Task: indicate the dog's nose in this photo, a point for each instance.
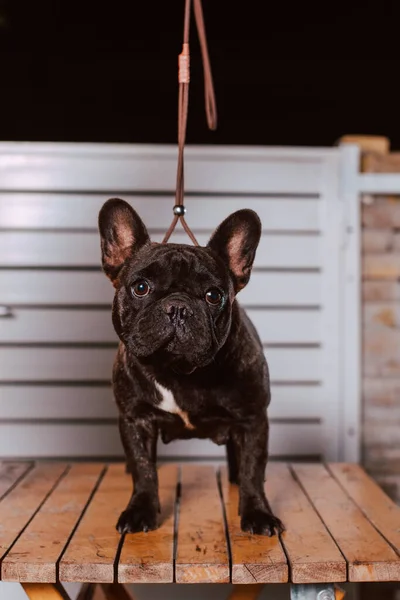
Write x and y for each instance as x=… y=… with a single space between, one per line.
x=177 y=310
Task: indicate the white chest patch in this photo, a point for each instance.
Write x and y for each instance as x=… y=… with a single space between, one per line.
x=169 y=405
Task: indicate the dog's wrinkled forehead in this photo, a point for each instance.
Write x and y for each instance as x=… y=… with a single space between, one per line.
x=177 y=264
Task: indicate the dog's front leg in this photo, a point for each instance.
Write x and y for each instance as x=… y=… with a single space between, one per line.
x=255 y=511
x=139 y=438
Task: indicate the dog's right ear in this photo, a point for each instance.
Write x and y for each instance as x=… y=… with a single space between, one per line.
x=122 y=233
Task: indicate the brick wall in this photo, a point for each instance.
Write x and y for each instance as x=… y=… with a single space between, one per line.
x=381 y=343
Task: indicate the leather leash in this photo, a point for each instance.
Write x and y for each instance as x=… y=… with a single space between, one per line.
x=183 y=107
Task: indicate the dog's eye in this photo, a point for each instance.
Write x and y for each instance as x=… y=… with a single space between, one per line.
x=141 y=288
x=214 y=297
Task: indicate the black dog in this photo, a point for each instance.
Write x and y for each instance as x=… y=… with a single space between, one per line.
x=190 y=363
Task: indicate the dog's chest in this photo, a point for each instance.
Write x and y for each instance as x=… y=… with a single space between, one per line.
x=168 y=404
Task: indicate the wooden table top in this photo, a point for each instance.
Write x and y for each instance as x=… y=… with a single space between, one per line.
x=57 y=522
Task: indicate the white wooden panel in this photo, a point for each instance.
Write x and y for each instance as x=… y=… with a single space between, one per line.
x=80 y=211
x=85 y=440
x=25 y=402
x=94 y=326
x=86 y=364
x=29 y=287
x=374 y=183
x=350 y=401
x=45 y=249
x=35 y=402
x=331 y=240
x=209 y=169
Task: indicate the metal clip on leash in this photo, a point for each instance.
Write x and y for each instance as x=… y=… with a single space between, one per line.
x=183 y=106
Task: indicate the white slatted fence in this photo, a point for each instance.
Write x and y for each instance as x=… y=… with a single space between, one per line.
x=57 y=343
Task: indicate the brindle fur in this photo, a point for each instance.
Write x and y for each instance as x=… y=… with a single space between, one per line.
x=209 y=357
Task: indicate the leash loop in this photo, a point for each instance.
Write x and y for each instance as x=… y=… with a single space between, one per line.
x=179 y=209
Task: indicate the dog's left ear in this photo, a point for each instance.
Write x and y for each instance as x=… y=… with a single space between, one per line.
x=236 y=241
x=122 y=234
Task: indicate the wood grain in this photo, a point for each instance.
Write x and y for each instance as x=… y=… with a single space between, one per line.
x=381 y=266
x=381 y=291
x=381 y=352
x=312 y=554
x=383 y=513
x=377 y=240
x=202 y=553
x=368 y=144
x=10 y=473
x=368 y=555
x=381 y=399
x=382 y=163
x=45 y=591
x=149 y=557
x=382 y=213
x=255 y=558
x=91 y=553
x=382 y=314
x=19 y=506
x=34 y=556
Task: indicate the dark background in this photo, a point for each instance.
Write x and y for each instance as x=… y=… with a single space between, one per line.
x=286 y=73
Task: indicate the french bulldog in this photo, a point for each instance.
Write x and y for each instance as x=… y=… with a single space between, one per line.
x=190 y=362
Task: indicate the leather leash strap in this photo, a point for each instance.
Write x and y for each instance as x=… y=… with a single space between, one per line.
x=183 y=106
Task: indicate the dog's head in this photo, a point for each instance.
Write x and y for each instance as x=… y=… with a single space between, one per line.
x=173 y=302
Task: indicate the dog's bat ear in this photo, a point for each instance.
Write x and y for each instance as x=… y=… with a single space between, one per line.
x=122 y=233
x=236 y=241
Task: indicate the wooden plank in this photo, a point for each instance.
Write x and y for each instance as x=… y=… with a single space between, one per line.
x=396 y=242
x=58 y=403
x=379 y=183
x=34 y=556
x=209 y=169
x=51 y=402
x=91 y=553
x=45 y=591
x=312 y=554
x=149 y=557
x=382 y=163
x=383 y=436
x=10 y=474
x=76 y=249
x=383 y=513
x=382 y=213
x=45 y=364
x=255 y=558
x=20 y=505
x=368 y=555
x=381 y=291
x=381 y=400
x=368 y=143
x=44 y=326
x=378 y=240
x=94 y=440
x=29 y=288
x=80 y=211
x=78 y=326
x=381 y=352
x=382 y=314
x=381 y=266
x=202 y=552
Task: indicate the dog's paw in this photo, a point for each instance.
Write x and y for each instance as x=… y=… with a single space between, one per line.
x=139 y=516
x=261 y=522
